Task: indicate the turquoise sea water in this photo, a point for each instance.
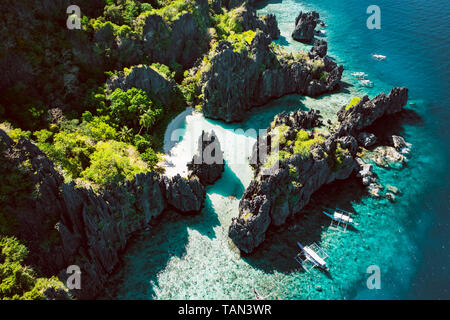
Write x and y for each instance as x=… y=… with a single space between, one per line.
x=183 y=257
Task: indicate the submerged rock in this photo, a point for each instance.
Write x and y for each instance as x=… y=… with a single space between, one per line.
x=208 y=164
x=388 y=157
x=393 y=189
x=367 y=139
x=305 y=23
x=374 y=190
x=390 y=196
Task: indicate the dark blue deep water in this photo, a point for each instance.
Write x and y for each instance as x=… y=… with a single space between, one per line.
x=190 y=257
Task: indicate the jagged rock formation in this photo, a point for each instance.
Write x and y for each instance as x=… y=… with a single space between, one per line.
x=299 y=119
x=367 y=139
x=146 y=78
x=185 y=195
x=367 y=111
x=208 y=164
x=230 y=4
x=316 y=158
x=183 y=41
x=249 y=20
x=305 y=23
x=320 y=48
x=64 y=225
x=239 y=81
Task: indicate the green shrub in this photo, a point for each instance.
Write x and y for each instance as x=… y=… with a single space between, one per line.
x=340 y=153
x=163 y=70
x=12 y=250
x=134 y=109
x=316 y=64
x=279 y=136
x=227 y=23
x=241 y=41
x=113 y=162
x=353 y=103
x=16 y=280
x=172 y=10
x=275 y=157
x=293 y=172
x=17 y=133
x=99 y=128
x=150 y=157
x=124 y=12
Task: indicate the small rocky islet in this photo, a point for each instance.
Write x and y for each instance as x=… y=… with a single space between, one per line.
x=93 y=227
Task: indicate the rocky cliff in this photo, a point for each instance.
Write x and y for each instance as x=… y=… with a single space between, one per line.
x=240 y=80
x=248 y=18
x=305 y=24
x=303 y=158
x=65 y=225
x=208 y=163
x=146 y=78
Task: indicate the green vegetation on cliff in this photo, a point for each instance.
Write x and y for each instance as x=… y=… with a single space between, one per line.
x=110 y=147
x=353 y=103
x=18 y=281
x=304 y=142
x=227 y=23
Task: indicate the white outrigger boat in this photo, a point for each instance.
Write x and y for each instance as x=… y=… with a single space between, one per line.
x=340 y=218
x=312 y=256
x=366 y=83
x=378 y=57
x=359 y=75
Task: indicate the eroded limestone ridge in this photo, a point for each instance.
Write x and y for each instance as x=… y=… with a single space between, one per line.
x=65 y=225
x=240 y=80
x=307 y=158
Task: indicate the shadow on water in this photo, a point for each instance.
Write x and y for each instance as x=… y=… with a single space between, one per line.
x=282 y=41
x=344 y=87
x=395 y=124
x=262 y=3
x=261 y=116
x=151 y=251
x=280 y=247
